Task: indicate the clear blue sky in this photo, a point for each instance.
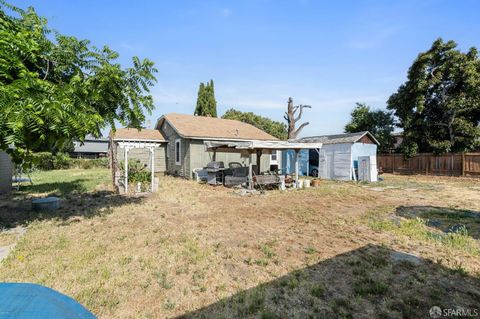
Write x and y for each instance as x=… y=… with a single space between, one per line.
x=329 y=54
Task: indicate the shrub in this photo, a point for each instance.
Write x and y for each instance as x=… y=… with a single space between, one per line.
x=47 y=161
x=43 y=161
x=137 y=173
x=61 y=161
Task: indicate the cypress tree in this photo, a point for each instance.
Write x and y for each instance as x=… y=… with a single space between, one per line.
x=206 y=103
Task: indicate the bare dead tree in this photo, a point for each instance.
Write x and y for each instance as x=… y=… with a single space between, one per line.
x=292 y=118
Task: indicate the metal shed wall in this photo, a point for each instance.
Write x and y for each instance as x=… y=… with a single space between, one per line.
x=334 y=161
x=6 y=167
x=362 y=149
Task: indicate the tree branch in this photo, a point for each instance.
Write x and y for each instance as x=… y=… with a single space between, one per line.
x=301 y=111
x=300 y=128
x=48 y=70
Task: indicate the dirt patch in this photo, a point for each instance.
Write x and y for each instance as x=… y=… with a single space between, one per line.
x=199 y=251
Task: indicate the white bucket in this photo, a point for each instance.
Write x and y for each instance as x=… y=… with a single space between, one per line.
x=282 y=182
x=306 y=183
x=300 y=183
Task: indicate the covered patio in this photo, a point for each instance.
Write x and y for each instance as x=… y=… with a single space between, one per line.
x=260 y=148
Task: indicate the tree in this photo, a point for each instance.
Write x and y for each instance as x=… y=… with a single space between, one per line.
x=206 y=103
x=274 y=128
x=438 y=106
x=378 y=122
x=56 y=88
x=292 y=119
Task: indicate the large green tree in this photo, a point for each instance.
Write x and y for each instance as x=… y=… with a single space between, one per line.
x=56 y=88
x=206 y=103
x=378 y=122
x=274 y=128
x=438 y=106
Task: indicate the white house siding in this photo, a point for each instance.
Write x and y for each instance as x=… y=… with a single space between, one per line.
x=6 y=168
x=334 y=162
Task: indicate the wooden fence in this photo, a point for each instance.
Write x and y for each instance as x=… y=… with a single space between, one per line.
x=453 y=164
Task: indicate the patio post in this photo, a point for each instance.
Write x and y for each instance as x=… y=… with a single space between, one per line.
x=126 y=169
x=259 y=155
x=152 y=168
x=297 y=153
x=250 y=176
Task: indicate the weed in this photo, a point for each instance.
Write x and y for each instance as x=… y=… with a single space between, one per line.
x=369 y=286
x=309 y=250
x=169 y=305
x=267 y=251
x=256 y=301
x=269 y=314
x=162 y=280
x=261 y=262
x=317 y=290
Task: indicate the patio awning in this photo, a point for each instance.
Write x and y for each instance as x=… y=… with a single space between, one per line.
x=259 y=145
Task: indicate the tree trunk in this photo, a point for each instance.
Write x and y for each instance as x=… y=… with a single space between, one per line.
x=292 y=120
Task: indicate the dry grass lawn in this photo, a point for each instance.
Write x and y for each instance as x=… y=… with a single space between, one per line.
x=195 y=251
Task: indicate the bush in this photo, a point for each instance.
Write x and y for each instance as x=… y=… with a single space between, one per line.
x=47 y=161
x=61 y=161
x=43 y=161
x=137 y=173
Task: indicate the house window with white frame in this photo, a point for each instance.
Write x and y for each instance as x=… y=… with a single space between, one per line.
x=178 y=151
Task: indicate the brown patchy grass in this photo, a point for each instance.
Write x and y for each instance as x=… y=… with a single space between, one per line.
x=198 y=251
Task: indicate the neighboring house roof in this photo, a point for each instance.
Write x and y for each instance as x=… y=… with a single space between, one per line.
x=133 y=134
x=337 y=138
x=202 y=127
x=91 y=145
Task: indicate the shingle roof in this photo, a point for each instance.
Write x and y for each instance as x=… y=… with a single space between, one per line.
x=200 y=127
x=336 y=138
x=138 y=135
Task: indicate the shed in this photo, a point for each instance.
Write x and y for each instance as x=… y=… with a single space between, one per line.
x=339 y=156
x=6 y=168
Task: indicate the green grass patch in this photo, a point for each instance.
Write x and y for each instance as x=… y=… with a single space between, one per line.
x=66 y=182
x=418 y=228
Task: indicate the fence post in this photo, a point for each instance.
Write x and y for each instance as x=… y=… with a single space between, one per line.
x=425 y=157
x=393 y=166
x=463 y=163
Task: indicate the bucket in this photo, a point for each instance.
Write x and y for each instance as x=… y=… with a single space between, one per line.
x=282 y=182
x=315 y=183
x=300 y=183
x=306 y=183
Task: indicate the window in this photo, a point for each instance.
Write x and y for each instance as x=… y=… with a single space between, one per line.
x=274 y=157
x=178 y=152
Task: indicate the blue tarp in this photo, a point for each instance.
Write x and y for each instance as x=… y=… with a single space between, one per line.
x=288 y=162
x=22 y=301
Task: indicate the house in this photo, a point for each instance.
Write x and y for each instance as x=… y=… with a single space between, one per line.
x=6 y=168
x=339 y=157
x=186 y=135
x=177 y=143
x=91 y=147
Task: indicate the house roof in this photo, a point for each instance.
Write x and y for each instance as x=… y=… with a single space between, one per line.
x=133 y=134
x=337 y=138
x=91 y=146
x=202 y=127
